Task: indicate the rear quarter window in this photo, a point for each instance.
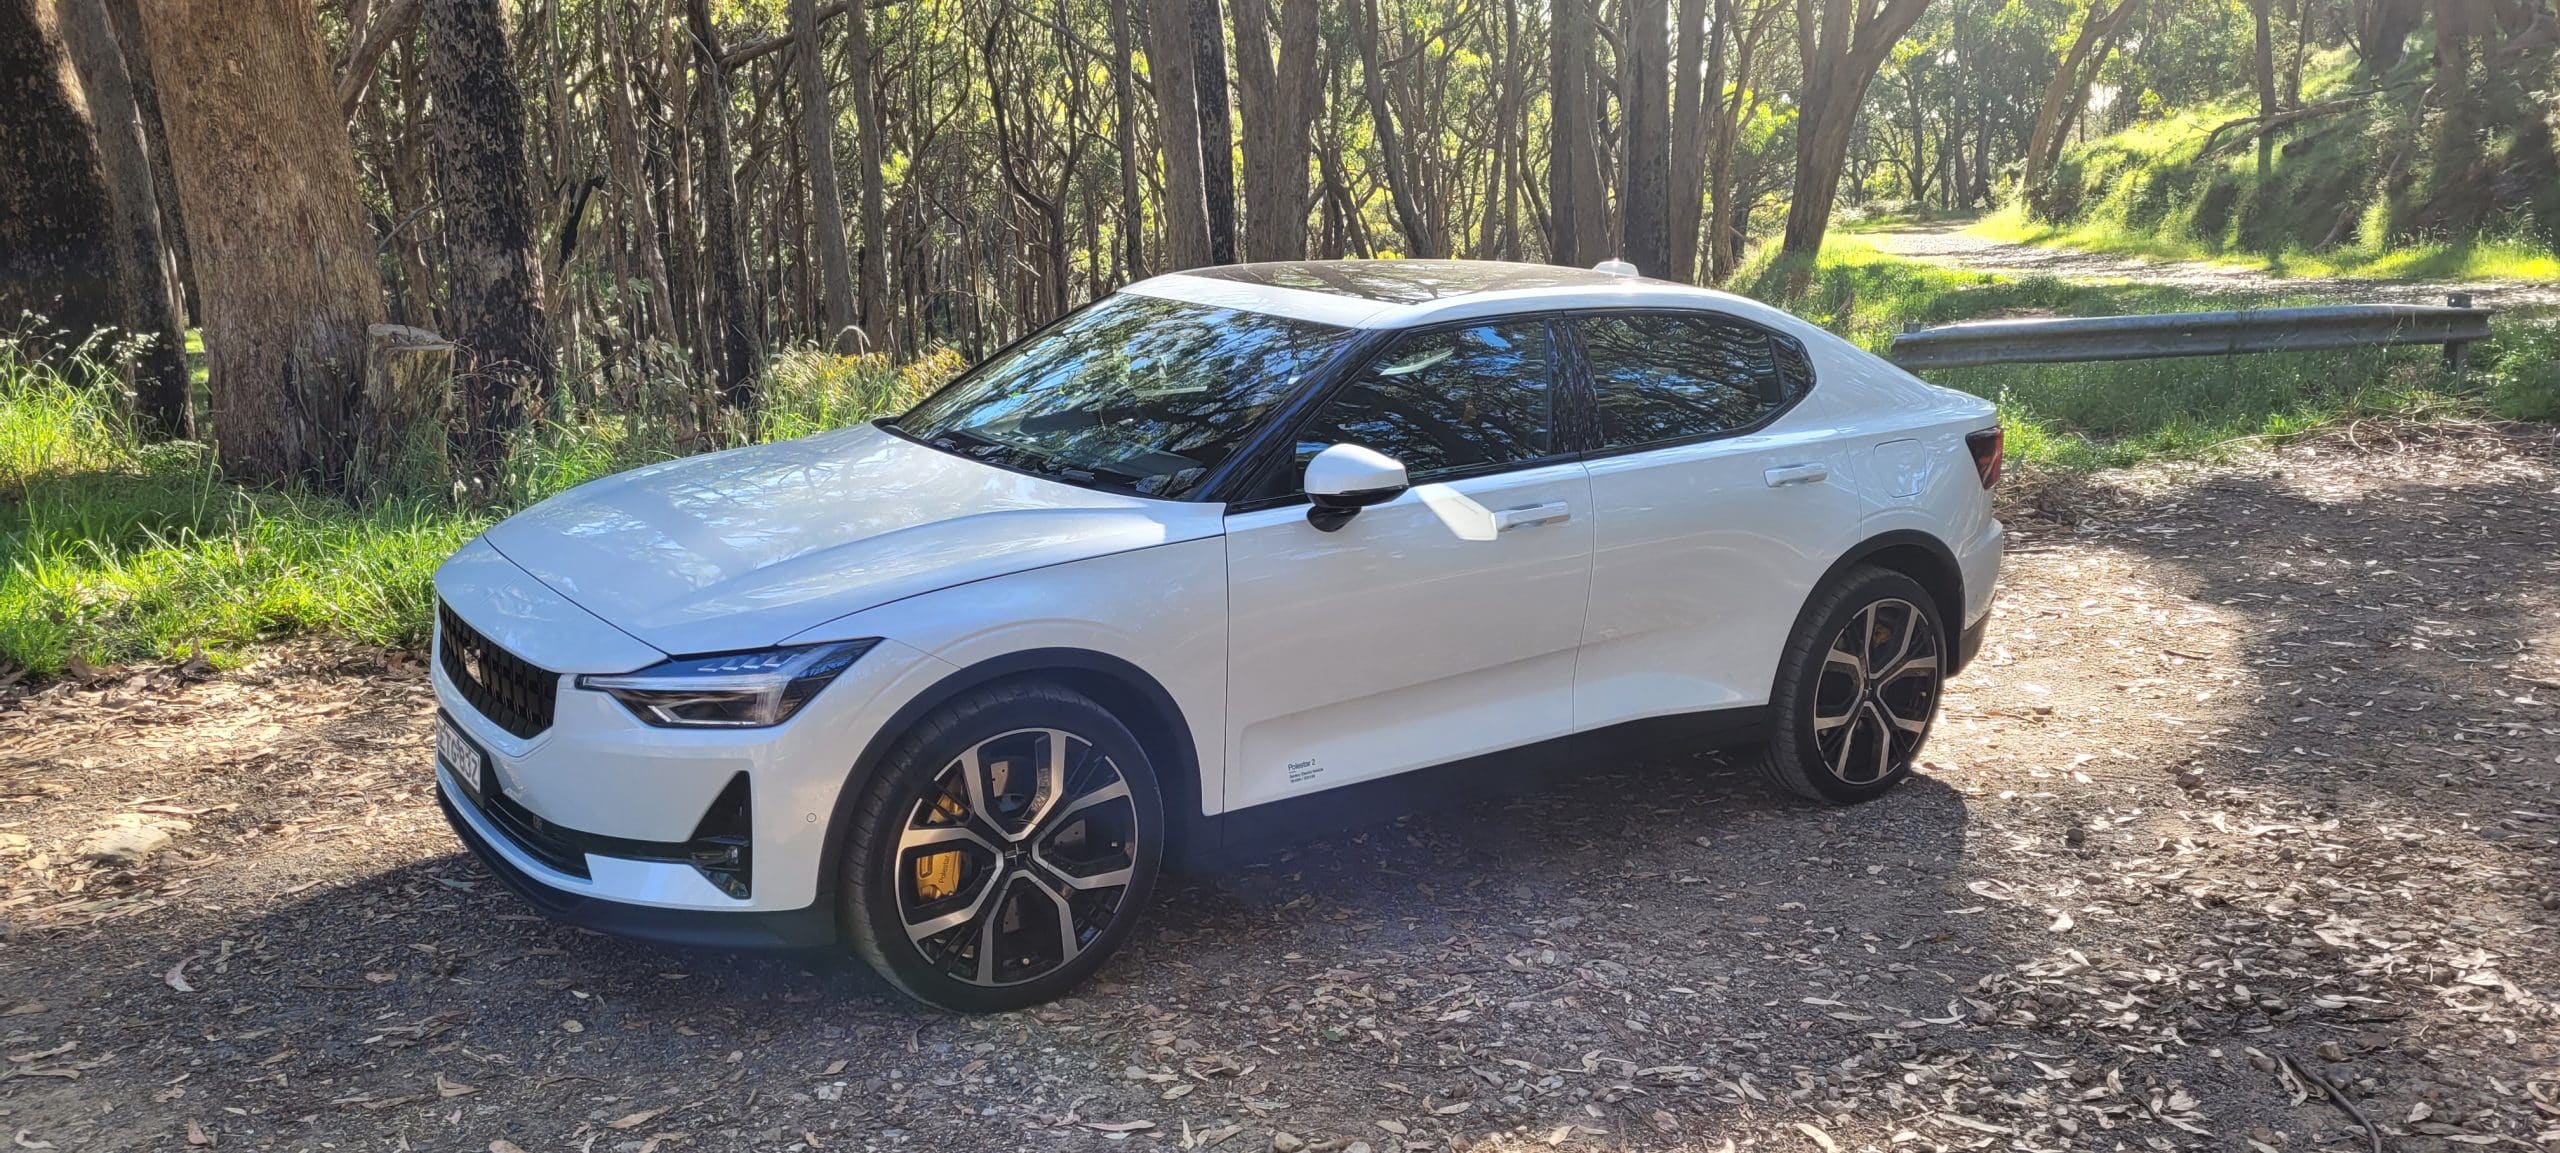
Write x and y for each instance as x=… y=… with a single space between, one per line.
x=1661 y=377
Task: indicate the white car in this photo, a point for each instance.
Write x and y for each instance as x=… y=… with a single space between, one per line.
x=1215 y=553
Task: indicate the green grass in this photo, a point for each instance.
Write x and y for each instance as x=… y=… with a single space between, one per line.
x=2487 y=259
x=2078 y=417
x=115 y=551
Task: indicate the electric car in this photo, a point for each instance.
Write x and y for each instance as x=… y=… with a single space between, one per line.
x=1226 y=547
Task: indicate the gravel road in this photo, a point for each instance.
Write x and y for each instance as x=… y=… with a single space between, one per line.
x=1950 y=244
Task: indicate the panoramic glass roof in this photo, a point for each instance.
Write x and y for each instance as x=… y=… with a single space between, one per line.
x=1404 y=281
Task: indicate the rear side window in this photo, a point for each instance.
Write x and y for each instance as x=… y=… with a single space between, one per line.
x=1669 y=376
x=1445 y=403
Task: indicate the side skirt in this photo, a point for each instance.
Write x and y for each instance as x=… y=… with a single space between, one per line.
x=1207 y=843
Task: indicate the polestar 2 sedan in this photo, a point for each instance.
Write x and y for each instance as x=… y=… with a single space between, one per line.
x=1227 y=548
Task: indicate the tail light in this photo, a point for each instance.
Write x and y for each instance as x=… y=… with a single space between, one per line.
x=1986 y=447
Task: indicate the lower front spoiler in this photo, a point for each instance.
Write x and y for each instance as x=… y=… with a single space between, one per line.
x=811 y=927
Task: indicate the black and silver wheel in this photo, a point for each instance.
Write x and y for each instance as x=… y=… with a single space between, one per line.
x=1003 y=850
x=1857 y=688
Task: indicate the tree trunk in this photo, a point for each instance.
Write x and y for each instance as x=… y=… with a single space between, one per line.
x=1173 y=68
x=127 y=18
x=869 y=155
x=1691 y=98
x=633 y=184
x=1840 y=54
x=2301 y=45
x=1577 y=217
x=1124 y=131
x=365 y=48
x=493 y=278
x=1419 y=242
x=818 y=147
x=1727 y=114
x=147 y=271
x=2265 y=71
x=1278 y=106
x=284 y=261
x=1217 y=134
x=59 y=247
x=732 y=324
x=2382 y=32
x=2068 y=89
x=1644 y=194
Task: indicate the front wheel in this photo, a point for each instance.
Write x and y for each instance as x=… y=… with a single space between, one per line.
x=1857 y=689
x=1003 y=850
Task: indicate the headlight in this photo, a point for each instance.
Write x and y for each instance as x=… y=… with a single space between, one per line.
x=736 y=691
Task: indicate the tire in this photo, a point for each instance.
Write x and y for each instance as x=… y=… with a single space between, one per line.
x=1056 y=849
x=1847 y=721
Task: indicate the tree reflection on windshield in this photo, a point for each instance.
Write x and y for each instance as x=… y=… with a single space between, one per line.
x=1134 y=393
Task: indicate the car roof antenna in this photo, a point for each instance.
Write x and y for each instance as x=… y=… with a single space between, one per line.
x=1616 y=268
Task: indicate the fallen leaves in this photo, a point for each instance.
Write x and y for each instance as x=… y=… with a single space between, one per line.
x=636 y=1120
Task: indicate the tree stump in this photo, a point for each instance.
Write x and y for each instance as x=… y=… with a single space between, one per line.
x=408 y=389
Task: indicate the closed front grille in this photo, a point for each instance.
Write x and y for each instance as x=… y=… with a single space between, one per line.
x=506 y=688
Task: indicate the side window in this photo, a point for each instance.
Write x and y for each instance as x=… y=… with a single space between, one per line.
x=1446 y=402
x=1665 y=376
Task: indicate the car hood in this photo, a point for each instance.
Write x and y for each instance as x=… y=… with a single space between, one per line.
x=740 y=549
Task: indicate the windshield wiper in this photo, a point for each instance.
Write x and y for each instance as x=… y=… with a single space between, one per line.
x=966 y=443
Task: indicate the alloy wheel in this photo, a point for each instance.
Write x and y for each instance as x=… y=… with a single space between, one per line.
x=1877 y=692
x=1017 y=858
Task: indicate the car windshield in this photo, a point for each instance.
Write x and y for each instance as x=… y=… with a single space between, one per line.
x=1134 y=393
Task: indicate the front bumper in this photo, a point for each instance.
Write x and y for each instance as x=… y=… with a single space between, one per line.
x=784 y=929
x=605 y=821
x=600 y=807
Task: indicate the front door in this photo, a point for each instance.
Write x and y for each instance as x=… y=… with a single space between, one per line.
x=1432 y=627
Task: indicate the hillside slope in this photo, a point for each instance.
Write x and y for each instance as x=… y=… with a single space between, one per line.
x=2357 y=184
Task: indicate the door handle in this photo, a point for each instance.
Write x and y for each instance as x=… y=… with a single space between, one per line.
x=1793 y=474
x=1534 y=514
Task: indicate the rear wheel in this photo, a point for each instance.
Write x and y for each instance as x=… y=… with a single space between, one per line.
x=1003 y=850
x=1857 y=689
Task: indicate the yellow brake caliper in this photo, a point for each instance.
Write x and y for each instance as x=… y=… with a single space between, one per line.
x=938 y=874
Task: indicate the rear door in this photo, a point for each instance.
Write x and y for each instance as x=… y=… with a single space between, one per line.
x=1716 y=515
x=1437 y=625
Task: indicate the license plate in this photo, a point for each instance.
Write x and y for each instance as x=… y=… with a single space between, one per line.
x=460 y=757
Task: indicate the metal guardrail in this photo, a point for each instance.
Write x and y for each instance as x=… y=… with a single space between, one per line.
x=2453 y=325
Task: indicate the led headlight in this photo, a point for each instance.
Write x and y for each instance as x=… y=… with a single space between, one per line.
x=733 y=691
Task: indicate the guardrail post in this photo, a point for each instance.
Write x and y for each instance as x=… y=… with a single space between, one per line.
x=2457 y=353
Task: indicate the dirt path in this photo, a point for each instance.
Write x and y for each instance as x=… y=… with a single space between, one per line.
x=1948 y=243
x=2253 y=786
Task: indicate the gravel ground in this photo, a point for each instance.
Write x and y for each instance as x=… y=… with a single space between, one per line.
x=1948 y=243
x=2251 y=796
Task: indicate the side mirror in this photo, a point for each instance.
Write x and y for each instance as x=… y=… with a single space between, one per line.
x=1346 y=478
